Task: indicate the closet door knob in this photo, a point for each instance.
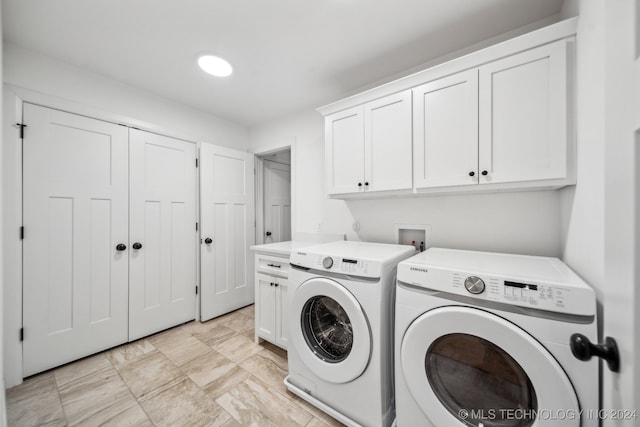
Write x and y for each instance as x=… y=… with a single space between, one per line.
x=472 y=173
x=137 y=245
x=359 y=184
x=268 y=233
x=121 y=247
x=208 y=240
x=366 y=184
x=484 y=173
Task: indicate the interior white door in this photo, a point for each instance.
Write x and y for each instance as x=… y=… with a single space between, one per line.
x=75 y=214
x=227 y=212
x=445 y=132
x=163 y=235
x=277 y=202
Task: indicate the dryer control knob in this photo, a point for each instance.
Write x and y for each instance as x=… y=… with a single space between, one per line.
x=327 y=262
x=474 y=284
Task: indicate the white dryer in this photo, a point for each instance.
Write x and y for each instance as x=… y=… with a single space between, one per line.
x=340 y=352
x=482 y=339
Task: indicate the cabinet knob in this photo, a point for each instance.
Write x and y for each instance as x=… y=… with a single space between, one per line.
x=366 y=184
x=208 y=240
x=137 y=245
x=484 y=173
x=276 y=284
x=472 y=173
x=121 y=247
x=359 y=184
x=268 y=233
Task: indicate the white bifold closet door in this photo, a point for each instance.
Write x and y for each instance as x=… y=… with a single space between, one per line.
x=162 y=233
x=75 y=196
x=92 y=191
x=227 y=209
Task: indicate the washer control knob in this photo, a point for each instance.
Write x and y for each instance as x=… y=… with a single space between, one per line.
x=474 y=284
x=327 y=262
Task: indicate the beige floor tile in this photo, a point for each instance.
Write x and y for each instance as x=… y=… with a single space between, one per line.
x=184 y=404
x=207 y=368
x=150 y=374
x=252 y=398
x=81 y=368
x=100 y=398
x=238 y=348
x=216 y=335
x=35 y=402
x=249 y=310
x=269 y=368
x=179 y=346
x=130 y=351
x=220 y=386
x=275 y=349
x=240 y=323
x=317 y=413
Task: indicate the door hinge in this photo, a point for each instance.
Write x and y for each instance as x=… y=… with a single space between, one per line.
x=196 y=290
x=21 y=334
x=21 y=126
x=21 y=233
x=196 y=226
x=196 y=162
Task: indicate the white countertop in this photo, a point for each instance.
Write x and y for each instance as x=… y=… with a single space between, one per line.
x=281 y=248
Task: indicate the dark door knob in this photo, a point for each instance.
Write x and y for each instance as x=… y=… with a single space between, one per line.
x=121 y=247
x=137 y=245
x=583 y=349
x=484 y=173
x=366 y=184
x=359 y=184
x=472 y=173
x=208 y=240
x=268 y=233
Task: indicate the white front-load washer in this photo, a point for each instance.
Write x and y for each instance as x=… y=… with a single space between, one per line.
x=340 y=352
x=483 y=339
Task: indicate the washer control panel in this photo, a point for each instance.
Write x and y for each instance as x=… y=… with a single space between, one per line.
x=339 y=265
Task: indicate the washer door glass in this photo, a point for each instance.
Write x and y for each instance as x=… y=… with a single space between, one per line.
x=327 y=329
x=466 y=371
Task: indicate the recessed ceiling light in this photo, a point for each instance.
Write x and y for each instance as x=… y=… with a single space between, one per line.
x=215 y=66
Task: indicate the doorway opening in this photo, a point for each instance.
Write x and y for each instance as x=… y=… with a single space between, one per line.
x=273 y=197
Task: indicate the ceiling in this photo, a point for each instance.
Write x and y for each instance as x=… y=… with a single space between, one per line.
x=287 y=55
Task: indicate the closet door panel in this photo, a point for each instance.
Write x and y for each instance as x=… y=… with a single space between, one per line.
x=162 y=277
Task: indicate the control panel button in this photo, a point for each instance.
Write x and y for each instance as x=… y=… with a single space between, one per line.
x=474 y=284
x=327 y=262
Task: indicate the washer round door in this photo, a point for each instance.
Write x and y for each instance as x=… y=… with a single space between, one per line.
x=465 y=366
x=331 y=333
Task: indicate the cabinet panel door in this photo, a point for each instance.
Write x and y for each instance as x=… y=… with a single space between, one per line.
x=162 y=218
x=523 y=116
x=445 y=141
x=75 y=214
x=266 y=307
x=387 y=148
x=344 y=133
x=282 y=313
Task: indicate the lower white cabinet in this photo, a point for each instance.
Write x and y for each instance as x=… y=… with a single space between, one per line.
x=271 y=296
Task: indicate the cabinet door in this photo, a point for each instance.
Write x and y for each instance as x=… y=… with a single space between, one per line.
x=266 y=307
x=344 y=133
x=162 y=220
x=445 y=127
x=387 y=147
x=282 y=314
x=523 y=116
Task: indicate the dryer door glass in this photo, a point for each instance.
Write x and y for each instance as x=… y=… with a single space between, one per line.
x=478 y=382
x=327 y=329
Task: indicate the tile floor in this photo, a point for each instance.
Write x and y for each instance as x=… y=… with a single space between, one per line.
x=196 y=374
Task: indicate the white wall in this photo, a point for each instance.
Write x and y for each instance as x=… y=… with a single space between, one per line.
x=143 y=109
x=3 y=405
x=36 y=77
x=524 y=222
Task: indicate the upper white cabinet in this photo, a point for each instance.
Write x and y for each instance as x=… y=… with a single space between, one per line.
x=368 y=147
x=497 y=119
x=524 y=116
x=502 y=123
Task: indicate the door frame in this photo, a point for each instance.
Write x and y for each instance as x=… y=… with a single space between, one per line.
x=13 y=99
x=259 y=179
